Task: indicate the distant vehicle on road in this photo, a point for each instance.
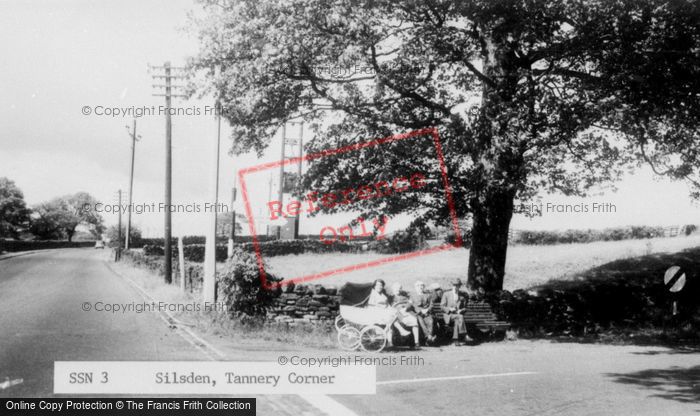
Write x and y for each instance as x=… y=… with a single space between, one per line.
x=99 y=244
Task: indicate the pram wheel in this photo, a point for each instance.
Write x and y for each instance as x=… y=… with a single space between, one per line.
x=339 y=323
x=372 y=338
x=349 y=338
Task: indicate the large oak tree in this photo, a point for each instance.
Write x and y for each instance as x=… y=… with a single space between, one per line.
x=528 y=96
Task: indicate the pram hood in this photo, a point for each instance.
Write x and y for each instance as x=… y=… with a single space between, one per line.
x=354 y=294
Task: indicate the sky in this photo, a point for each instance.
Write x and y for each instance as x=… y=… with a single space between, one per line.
x=60 y=56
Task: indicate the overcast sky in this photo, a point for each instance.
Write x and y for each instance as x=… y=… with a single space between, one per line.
x=59 y=56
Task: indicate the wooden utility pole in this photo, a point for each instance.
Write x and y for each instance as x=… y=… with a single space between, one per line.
x=269 y=198
x=168 y=177
x=167 y=76
x=232 y=238
x=118 y=254
x=134 y=139
x=301 y=154
x=280 y=196
x=209 y=283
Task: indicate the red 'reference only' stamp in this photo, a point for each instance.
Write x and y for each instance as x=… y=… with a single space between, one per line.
x=312 y=202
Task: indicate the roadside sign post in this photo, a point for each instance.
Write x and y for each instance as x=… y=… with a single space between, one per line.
x=674 y=281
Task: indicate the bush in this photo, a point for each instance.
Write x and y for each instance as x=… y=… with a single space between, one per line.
x=113 y=235
x=238 y=282
x=690 y=228
x=399 y=242
x=240 y=287
x=466 y=237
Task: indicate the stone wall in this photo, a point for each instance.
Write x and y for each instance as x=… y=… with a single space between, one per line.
x=306 y=304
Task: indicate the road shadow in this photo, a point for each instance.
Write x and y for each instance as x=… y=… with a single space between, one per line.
x=674 y=383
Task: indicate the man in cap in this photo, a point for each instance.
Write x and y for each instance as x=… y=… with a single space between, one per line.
x=453 y=304
x=422 y=304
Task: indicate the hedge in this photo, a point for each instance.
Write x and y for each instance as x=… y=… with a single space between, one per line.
x=195 y=252
x=580 y=236
x=27 y=245
x=286 y=247
x=237 y=283
x=192 y=252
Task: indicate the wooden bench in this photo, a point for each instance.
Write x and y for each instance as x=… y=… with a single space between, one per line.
x=481 y=315
x=476 y=314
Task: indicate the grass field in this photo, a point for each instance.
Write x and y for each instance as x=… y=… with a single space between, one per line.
x=526 y=266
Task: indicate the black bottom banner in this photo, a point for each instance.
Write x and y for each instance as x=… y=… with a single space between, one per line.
x=128 y=406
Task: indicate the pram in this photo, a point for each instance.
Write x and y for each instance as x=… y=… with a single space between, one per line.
x=361 y=326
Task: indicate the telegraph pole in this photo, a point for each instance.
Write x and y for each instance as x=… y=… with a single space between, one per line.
x=280 y=195
x=232 y=238
x=167 y=76
x=301 y=154
x=118 y=254
x=134 y=139
x=209 y=282
x=291 y=142
x=269 y=198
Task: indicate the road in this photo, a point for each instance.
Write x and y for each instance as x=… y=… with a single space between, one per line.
x=41 y=321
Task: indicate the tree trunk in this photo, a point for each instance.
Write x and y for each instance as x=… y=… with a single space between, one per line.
x=498 y=156
x=489 y=241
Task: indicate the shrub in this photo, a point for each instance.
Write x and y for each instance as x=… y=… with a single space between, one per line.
x=690 y=228
x=399 y=242
x=241 y=289
x=466 y=237
x=113 y=236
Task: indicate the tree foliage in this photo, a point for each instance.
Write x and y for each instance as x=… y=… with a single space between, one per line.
x=59 y=217
x=529 y=96
x=14 y=214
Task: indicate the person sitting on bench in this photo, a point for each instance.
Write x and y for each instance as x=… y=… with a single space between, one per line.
x=422 y=304
x=406 y=314
x=453 y=304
